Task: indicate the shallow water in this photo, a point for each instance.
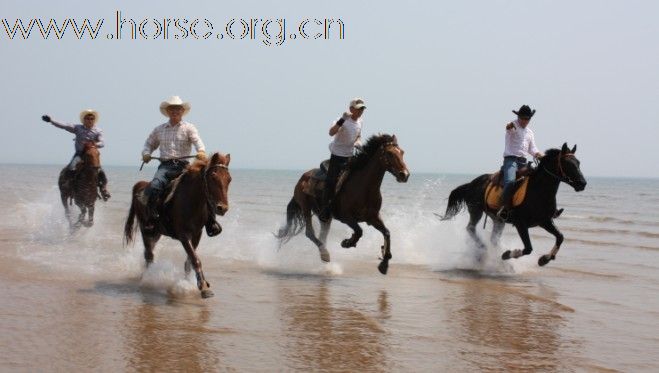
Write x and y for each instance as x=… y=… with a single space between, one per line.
x=83 y=300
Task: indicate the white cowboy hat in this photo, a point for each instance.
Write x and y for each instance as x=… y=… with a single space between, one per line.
x=174 y=101
x=357 y=103
x=84 y=113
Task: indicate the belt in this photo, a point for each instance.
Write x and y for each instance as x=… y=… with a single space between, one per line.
x=174 y=162
x=520 y=159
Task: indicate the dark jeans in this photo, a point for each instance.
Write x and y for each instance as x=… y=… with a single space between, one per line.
x=509 y=173
x=167 y=171
x=336 y=165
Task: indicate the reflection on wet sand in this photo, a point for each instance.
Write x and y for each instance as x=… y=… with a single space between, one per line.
x=323 y=333
x=166 y=335
x=503 y=327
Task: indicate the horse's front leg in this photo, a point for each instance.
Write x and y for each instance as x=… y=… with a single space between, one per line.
x=356 y=235
x=202 y=284
x=90 y=216
x=497 y=230
x=551 y=228
x=378 y=224
x=311 y=234
x=81 y=217
x=523 y=232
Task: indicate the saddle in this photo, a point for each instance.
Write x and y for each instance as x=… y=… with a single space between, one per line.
x=316 y=183
x=494 y=188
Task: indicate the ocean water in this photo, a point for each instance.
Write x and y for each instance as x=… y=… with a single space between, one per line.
x=84 y=300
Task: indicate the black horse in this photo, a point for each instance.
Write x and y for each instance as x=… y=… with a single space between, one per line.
x=537 y=209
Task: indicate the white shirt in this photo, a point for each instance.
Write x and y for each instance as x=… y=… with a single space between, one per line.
x=348 y=136
x=520 y=141
x=174 y=140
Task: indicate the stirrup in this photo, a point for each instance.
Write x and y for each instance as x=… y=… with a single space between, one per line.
x=213 y=228
x=105 y=194
x=503 y=214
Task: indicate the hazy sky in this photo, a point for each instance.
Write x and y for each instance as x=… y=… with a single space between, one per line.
x=443 y=77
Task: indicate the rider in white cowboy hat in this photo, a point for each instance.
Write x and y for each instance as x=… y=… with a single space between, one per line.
x=175 y=139
x=86 y=134
x=347 y=132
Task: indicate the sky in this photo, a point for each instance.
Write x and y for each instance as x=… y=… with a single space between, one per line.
x=442 y=76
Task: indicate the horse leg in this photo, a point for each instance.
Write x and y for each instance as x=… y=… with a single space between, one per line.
x=65 y=200
x=475 y=215
x=311 y=234
x=386 y=248
x=324 y=230
x=523 y=232
x=196 y=264
x=356 y=235
x=81 y=217
x=187 y=266
x=551 y=228
x=149 y=239
x=90 y=216
x=497 y=230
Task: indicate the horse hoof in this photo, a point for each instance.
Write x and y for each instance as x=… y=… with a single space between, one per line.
x=207 y=293
x=347 y=244
x=506 y=255
x=383 y=267
x=324 y=255
x=544 y=260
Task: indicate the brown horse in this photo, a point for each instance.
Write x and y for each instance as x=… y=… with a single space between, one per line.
x=81 y=188
x=358 y=198
x=200 y=190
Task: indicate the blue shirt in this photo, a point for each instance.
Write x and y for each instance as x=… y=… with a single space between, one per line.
x=83 y=135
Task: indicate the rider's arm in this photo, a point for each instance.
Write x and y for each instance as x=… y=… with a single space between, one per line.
x=193 y=135
x=152 y=142
x=532 y=148
x=337 y=125
x=99 y=139
x=64 y=126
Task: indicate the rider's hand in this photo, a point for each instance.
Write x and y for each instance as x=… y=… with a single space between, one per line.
x=201 y=155
x=146 y=158
x=45 y=118
x=510 y=126
x=346 y=115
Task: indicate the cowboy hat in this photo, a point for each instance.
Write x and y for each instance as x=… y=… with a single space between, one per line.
x=524 y=112
x=174 y=101
x=84 y=113
x=357 y=103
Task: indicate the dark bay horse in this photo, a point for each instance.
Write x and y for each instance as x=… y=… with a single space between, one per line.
x=81 y=189
x=537 y=209
x=358 y=199
x=201 y=189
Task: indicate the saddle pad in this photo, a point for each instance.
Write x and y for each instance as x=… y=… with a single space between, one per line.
x=493 y=194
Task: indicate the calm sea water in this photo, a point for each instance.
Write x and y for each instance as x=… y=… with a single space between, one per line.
x=83 y=300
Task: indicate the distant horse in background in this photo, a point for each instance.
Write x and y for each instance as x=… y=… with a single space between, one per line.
x=538 y=207
x=358 y=198
x=81 y=189
x=202 y=189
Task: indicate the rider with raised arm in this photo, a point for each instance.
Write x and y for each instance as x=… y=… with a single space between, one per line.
x=87 y=134
x=174 y=139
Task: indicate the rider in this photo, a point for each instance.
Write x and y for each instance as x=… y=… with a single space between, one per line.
x=86 y=134
x=347 y=134
x=519 y=142
x=175 y=139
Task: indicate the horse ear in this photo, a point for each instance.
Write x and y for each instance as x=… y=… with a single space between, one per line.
x=564 y=149
x=228 y=158
x=215 y=158
x=395 y=140
x=574 y=149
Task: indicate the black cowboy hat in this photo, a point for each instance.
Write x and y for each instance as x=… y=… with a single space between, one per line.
x=524 y=112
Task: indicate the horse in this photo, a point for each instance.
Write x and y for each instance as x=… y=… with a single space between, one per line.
x=201 y=189
x=538 y=207
x=81 y=187
x=358 y=198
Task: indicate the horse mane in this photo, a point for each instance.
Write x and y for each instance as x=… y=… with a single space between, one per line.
x=366 y=152
x=193 y=169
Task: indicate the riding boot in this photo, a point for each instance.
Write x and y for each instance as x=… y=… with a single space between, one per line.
x=505 y=213
x=102 y=185
x=213 y=228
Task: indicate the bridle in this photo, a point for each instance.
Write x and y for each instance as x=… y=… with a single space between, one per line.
x=212 y=206
x=383 y=155
x=562 y=176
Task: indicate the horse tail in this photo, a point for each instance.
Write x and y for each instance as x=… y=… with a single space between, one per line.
x=294 y=222
x=469 y=193
x=130 y=228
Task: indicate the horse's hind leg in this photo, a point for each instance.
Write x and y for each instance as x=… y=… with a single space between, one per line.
x=551 y=228
x=356 y=235
x=497 y=230
x=149 y=240
x=196 y=264
x=324 y=230
x=90 y=216
x=311 y=234
x=378 y=224
x=475 y=215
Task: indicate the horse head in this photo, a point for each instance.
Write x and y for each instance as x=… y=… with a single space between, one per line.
x=216 y=179
x=392 y=158
x=564 y=166
x=91 y=156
